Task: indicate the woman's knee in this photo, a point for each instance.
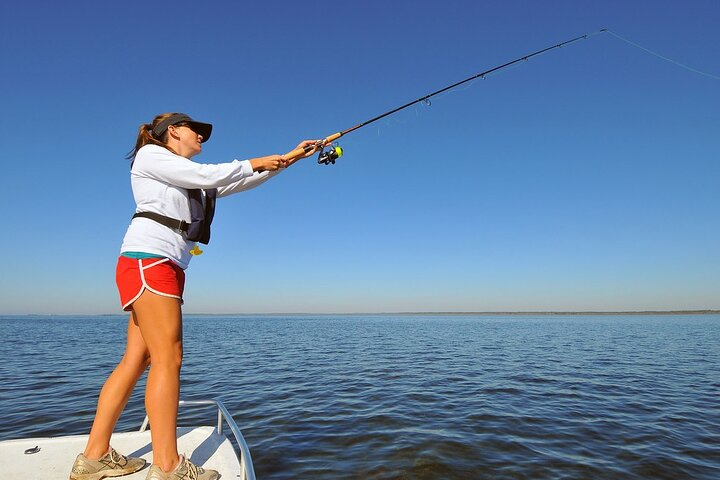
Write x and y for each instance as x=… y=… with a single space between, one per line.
x=170 y=357
x=137 y=362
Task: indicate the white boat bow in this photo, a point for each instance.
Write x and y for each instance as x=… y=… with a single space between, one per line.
x=51 y=458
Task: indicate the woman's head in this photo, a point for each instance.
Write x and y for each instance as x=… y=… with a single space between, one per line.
x=174 y=131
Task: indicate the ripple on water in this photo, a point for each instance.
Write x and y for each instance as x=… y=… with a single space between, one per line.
x=402 y=397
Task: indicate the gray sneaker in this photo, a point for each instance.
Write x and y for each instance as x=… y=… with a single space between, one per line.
x=185 y=471
x=111 y=465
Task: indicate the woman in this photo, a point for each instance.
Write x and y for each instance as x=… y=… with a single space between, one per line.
x=175 y=203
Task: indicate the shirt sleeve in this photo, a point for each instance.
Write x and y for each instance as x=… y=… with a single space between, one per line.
x=160 y=164
x=258 y=178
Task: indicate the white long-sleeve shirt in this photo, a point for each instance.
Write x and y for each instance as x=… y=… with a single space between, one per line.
x=160 y=182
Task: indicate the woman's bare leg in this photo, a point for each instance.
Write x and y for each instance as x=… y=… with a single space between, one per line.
x=160 y=323
x=116 y=392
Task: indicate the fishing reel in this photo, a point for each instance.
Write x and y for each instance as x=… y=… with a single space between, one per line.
x=326 y=157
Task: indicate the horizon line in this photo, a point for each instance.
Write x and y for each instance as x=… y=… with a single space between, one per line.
x=459 y=313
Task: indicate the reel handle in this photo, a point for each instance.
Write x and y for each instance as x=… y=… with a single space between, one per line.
x=293 y=155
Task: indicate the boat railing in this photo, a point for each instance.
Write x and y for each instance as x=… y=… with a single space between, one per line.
x=246 y=464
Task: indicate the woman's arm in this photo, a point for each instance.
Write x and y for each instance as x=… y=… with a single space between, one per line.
x=262 y=173
x=258 y=178
x=160 y=164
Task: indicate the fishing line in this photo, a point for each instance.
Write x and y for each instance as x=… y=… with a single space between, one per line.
x=686 y=67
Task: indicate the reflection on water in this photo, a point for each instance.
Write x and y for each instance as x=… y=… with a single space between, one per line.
x=407 y=397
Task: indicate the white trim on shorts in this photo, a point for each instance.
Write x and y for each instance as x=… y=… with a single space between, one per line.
x=145 y=285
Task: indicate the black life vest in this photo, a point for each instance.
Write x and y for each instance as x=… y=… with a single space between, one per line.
x=202 y=211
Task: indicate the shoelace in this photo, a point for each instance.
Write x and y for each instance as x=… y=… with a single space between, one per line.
x=117 y=458
x=192 y=469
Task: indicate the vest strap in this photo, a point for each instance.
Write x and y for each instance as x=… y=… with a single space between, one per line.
x=175 y=224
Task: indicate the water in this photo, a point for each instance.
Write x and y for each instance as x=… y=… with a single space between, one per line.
x=408 y=397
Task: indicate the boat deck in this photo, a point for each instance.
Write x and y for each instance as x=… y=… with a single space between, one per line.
x=51 y=458
x=203 y=445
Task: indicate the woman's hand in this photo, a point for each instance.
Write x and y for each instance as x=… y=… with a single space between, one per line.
x=316 y=144
x=275 y=162
x=299 y=152
x=269 y=163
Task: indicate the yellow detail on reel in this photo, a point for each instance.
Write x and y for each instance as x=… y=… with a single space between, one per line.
x=329 y=156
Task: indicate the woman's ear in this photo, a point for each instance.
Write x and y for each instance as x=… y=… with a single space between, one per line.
x=172 y=132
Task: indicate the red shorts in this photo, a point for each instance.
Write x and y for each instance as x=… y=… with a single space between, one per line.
x=159 y=275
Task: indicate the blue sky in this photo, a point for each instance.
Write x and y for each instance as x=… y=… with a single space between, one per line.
x=584 y=179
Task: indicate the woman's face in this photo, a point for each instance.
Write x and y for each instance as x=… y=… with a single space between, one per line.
x=189 y=143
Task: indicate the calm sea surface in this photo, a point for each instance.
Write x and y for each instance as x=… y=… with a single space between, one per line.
x=407 y=397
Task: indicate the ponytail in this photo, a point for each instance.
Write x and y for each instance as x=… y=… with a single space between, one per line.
x=146 y=136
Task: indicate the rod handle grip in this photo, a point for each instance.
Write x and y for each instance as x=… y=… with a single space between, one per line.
x=302 y=151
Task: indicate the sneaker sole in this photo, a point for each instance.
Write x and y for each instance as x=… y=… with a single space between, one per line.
x=104 y=474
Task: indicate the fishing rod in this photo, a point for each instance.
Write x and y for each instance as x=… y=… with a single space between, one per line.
x=335 y=152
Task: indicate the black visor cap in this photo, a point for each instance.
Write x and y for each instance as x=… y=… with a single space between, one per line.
x=203 y=129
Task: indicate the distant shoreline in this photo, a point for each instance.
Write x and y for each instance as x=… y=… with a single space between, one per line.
x=630 y=312
x=547 y=313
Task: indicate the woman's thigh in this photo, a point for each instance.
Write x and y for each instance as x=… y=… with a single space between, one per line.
x=159 y=323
